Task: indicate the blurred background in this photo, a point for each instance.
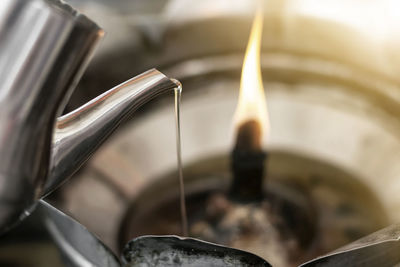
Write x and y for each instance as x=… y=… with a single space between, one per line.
x=330 y=72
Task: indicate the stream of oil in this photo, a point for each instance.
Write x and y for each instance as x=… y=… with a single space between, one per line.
x=178 y=93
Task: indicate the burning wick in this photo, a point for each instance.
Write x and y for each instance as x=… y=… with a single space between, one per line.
x=251 y=119
x=178 y=93
x=247 y=162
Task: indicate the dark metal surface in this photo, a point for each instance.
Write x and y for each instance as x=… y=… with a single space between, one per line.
x=30 y=239
x=176 y=251
x=381 y=248
x=81 y=248
x=77 y=245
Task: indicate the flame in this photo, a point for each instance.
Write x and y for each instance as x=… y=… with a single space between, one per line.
x=252 y=104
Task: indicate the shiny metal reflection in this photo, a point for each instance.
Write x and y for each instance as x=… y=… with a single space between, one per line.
x=44 y=47
x=79 y=133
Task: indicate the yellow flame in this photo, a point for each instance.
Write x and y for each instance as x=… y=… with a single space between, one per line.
x=251 y=103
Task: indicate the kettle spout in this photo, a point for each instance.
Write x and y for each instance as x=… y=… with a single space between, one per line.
x=79 y=133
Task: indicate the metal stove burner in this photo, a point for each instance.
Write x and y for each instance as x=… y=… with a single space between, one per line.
x=311 y=208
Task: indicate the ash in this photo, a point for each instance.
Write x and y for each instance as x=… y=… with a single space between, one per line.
x=247 y=226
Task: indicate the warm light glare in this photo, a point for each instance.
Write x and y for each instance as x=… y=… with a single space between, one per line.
x=252 y=104
x=376 y=18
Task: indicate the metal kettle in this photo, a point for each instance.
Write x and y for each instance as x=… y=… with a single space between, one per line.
x=44 y=47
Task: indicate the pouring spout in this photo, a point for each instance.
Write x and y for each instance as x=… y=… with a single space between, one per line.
x=79 y=133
